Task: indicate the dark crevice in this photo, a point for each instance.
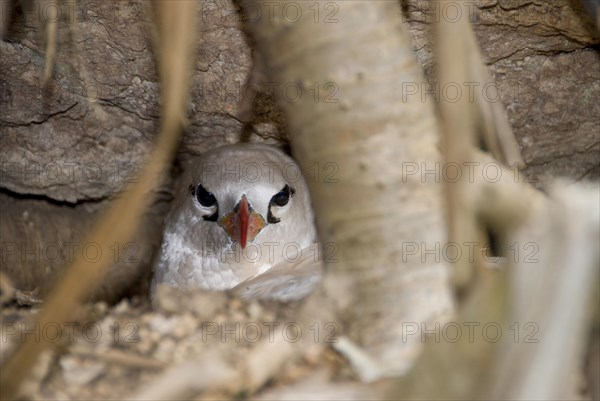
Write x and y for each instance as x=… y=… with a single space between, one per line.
x=45 y=120
x=52 y=201
x=539 y=52
x=588 y=172
x=110 y=102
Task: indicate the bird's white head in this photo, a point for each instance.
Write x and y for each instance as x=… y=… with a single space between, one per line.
x=247 y=193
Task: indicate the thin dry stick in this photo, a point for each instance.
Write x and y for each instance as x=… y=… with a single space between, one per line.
x=459 y=134
x=120 y=358
x=121 y=220
x=495 y=129
x=461 y=60
x=51 y=30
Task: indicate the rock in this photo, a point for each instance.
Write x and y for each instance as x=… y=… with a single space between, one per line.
x=87 y=135
x=38 y=239
x=540 y=54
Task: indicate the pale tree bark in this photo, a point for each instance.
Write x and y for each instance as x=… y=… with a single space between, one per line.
x=376 y=140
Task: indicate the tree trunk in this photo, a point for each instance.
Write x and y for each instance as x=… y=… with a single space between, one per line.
x=364 y=141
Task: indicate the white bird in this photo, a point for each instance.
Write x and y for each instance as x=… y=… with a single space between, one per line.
x=241 y=210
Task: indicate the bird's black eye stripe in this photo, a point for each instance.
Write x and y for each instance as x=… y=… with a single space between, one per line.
x=212 y=217
x=280 y=199
x=206 y=199
x=272 y=219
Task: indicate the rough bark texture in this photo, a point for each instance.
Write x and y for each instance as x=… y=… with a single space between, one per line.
x=369 y=208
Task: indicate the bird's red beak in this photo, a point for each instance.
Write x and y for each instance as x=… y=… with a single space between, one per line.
x=242 y=224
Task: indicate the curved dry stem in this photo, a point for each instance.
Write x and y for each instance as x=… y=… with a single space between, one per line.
x=121 y=220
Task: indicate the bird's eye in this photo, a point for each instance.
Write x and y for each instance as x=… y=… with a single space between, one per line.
x=205 y=198
x=282 y=197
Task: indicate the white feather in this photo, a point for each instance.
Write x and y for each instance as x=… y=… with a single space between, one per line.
x=197 y=253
